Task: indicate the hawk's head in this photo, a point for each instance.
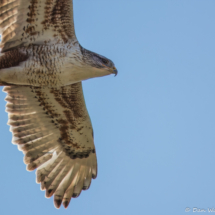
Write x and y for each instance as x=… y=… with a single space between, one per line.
x=98 y=62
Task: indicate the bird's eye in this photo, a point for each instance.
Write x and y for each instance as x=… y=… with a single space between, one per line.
x=104 y=61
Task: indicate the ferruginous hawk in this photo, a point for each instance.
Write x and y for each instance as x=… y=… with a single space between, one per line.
x=42 y=65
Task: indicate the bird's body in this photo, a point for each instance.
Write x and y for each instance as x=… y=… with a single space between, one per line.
x=42 y=65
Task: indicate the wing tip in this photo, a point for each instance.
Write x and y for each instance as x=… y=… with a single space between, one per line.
x=66 y=204
x=57 y=203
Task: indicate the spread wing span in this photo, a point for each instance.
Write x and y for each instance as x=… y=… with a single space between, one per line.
x=53 y=129
x=36 y=21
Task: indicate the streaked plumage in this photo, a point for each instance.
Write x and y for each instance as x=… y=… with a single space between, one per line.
x=42 y=66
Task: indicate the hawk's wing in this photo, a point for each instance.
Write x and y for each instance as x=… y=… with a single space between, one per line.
x=53 y=129
x=36 y=21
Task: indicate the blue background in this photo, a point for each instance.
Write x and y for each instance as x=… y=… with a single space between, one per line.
x=154 y=124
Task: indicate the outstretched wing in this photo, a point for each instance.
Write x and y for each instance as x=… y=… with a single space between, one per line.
x=53 y=129
x=36 y=21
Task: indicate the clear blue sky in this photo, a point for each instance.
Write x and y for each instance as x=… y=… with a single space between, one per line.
x=154 y=124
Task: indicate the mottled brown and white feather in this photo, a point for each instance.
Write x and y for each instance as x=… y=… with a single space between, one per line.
x=53 y=129
x=23 y=22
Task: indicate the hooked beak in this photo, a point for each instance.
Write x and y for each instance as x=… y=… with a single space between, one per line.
x=115 y=71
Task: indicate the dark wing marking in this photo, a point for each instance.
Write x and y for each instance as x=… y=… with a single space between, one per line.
x=53 y=129
x=12 y=58
x=36 y=21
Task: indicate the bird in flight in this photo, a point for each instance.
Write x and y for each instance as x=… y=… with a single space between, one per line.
x=42 y=66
